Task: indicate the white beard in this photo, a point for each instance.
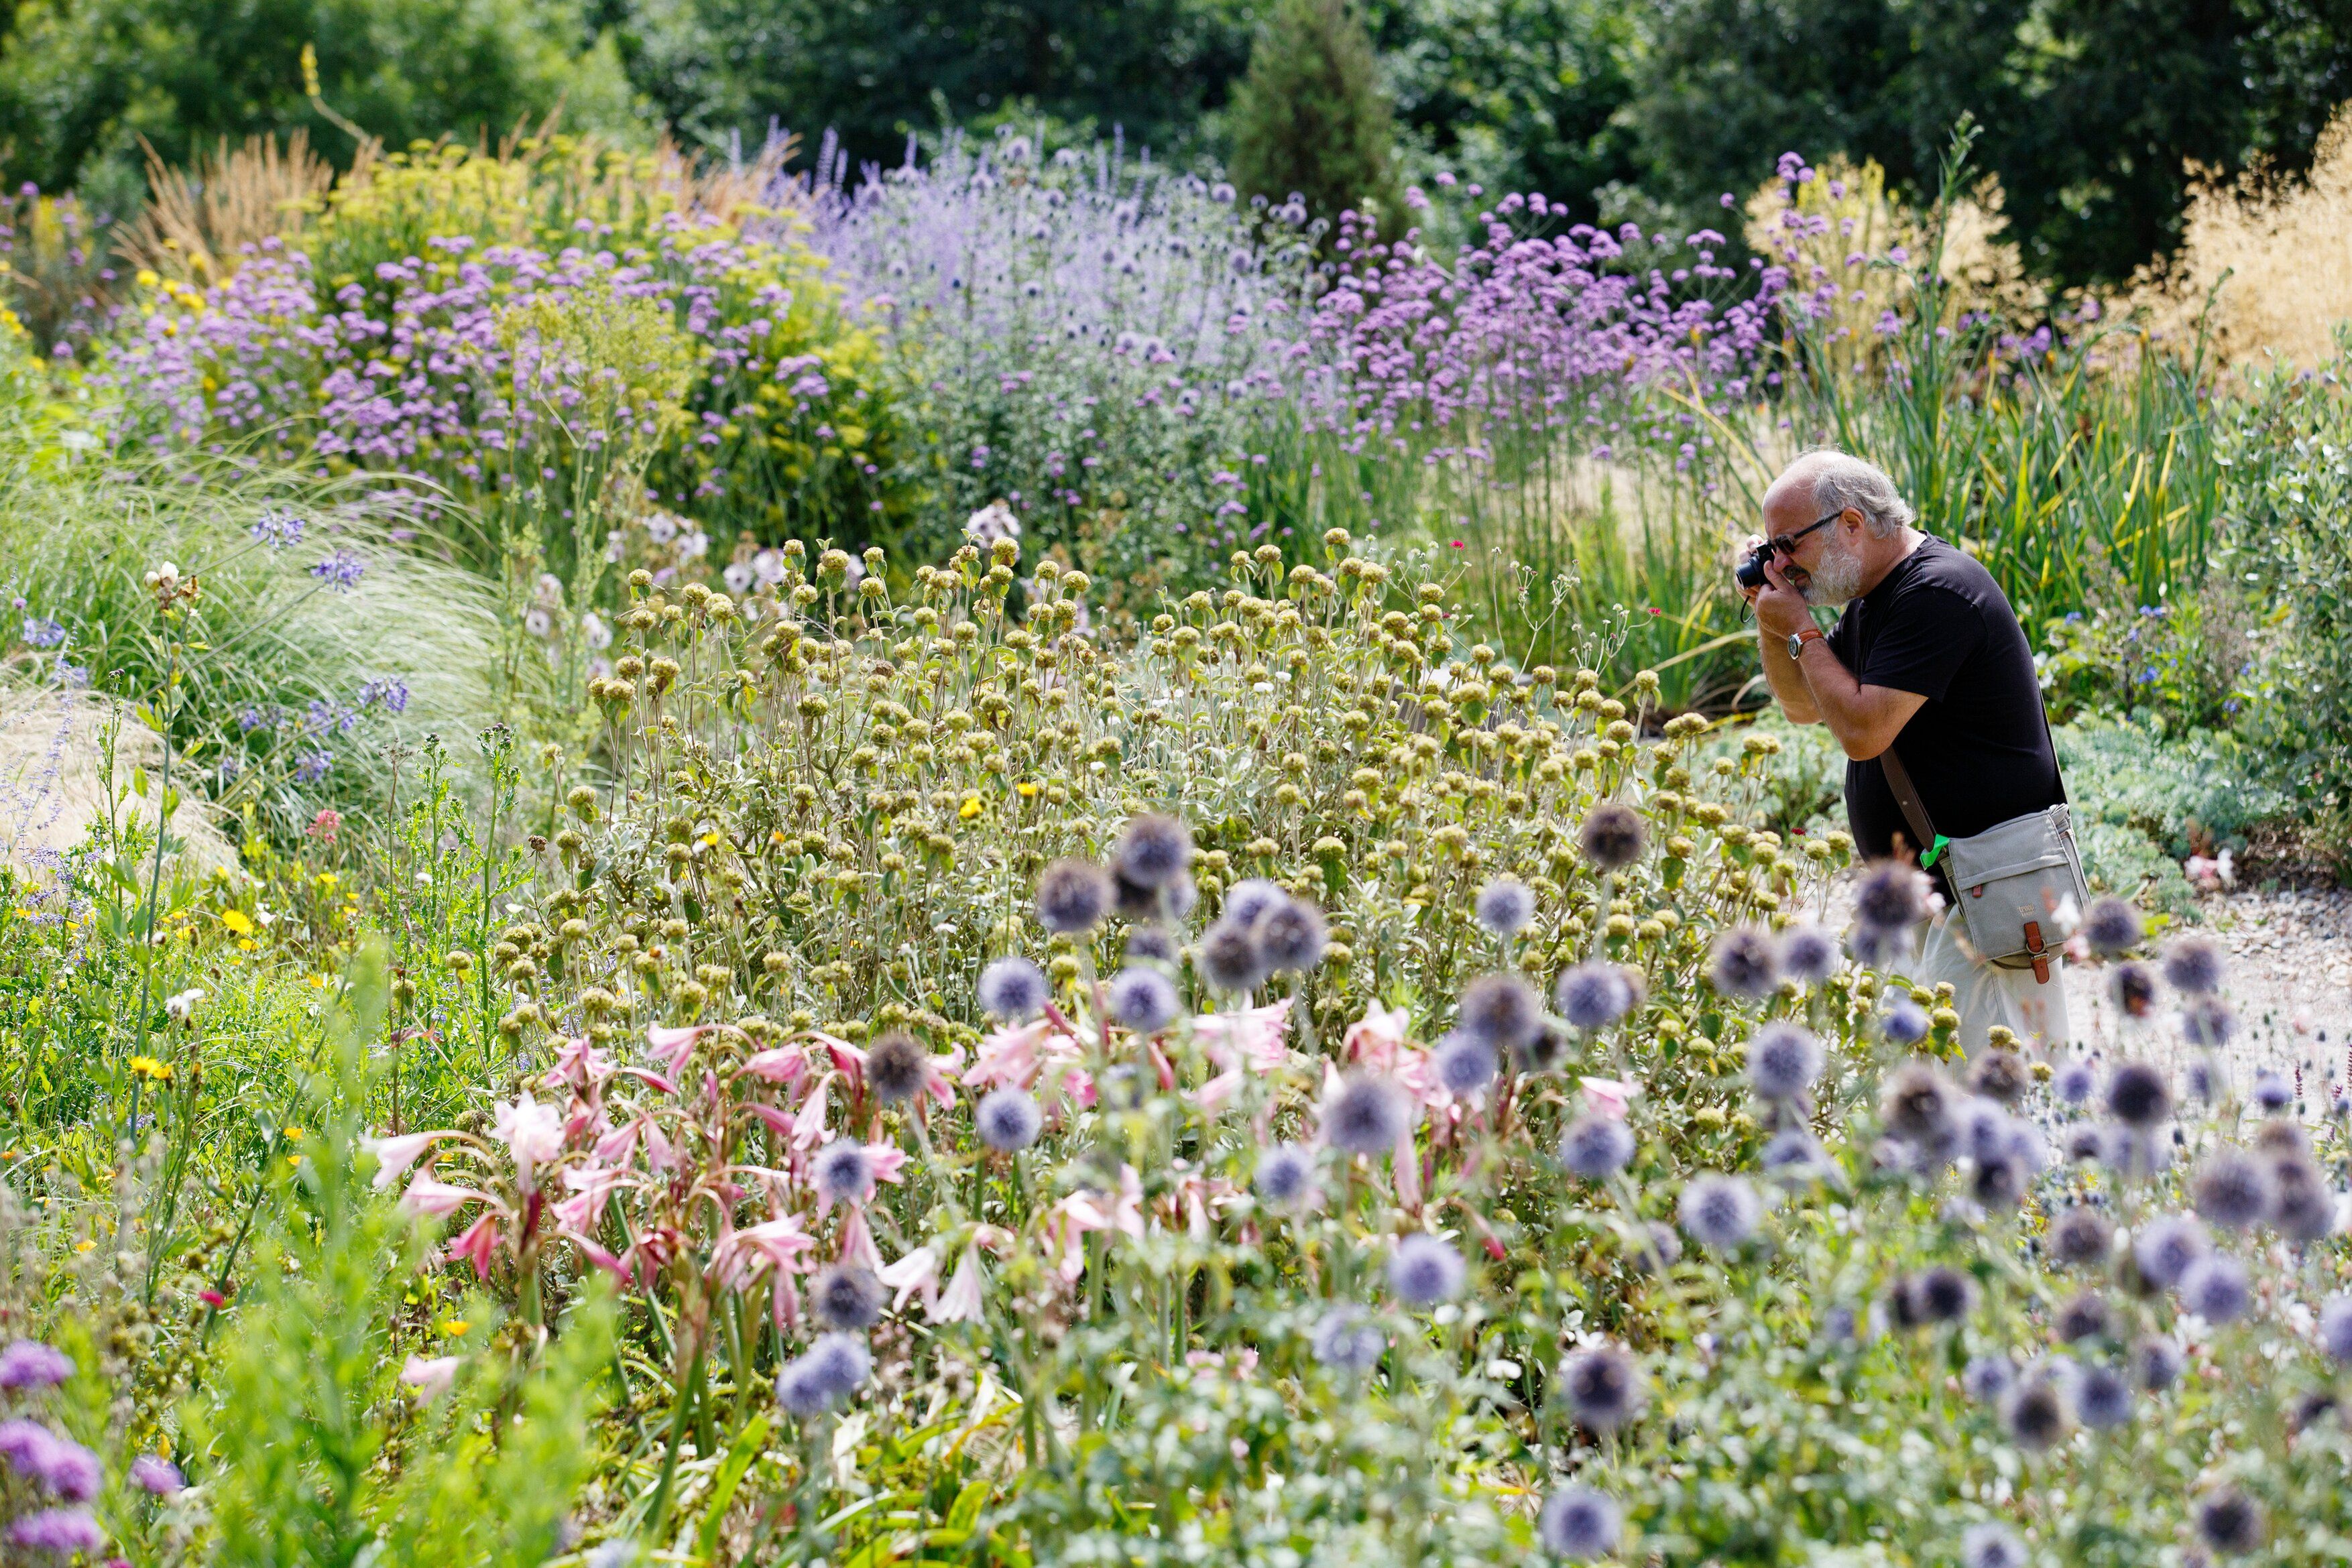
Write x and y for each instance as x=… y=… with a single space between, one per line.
x=1837 y=579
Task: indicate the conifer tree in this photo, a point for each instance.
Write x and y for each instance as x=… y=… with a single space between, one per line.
x=1311 y=118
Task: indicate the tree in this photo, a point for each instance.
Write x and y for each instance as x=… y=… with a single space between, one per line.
x=1310 y=116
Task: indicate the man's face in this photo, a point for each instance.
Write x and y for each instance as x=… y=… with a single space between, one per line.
x=1826 y=566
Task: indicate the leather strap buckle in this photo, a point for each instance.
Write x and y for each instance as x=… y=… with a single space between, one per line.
x=2033 y=944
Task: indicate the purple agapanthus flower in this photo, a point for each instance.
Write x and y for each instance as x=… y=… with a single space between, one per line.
x=40 y=632
x=278 y=530
x=340 y=571
x=313 y=766
x=389 y=693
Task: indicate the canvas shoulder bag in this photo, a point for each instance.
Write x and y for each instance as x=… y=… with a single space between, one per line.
x=2009 y=882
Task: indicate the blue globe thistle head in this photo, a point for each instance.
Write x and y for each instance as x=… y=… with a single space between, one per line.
x=1579 y=1524
x=1143 y=999
x=2000 y=1075
x=1890 y=896
x=1655 y=1248
x=2193 y=964
x=2080 y=1316
x=2138 y=1094
x=2229 y=1521
x=2273 y=1092
x=1784 y=1059
x=896 y=1067
x=1808 y=954
x=1073 y=896
x=2232 y=1189
x=843 y=1171
x=1744 y=964
x=1286 y=1175
x=1881 y=947
x=2336 y=1327
x=2001 y=1182
x=2074 y=1081
x=2079 y=1236
x=1545 y=1051
x=824 y=1375
x=1464 y=1065
x=1596 y=1147
x=1987 y=1378
x=2208 y=1021
x=2302 y=1206
x=1179 y=898
x=1905 y=1023
x=2216 y=1288
x=845 y=1296
x=1152 y=943
x=1593 y=996
x=2132 y=984
x=1345 y=1340
x=2163 y=1249
x=1291 y=937
x=1504 y=906
x=1919 y=1106
x=1613 y=836
x=1007 y=1120
x=1937 y=1295
x=1366 y=1115
x=1720 y=1212
x=2158 y=1361
x=1013 y=989
x=1425 y=1270
x=1154 y=850
x=2036 y=1412
x=1228 y=959
x=2112 y=927
x=1604 y=1387
x=1249 y=898
x=1501 y=1011
x=1991 y=1545
x=1984 y=1128
x=1794 y=1154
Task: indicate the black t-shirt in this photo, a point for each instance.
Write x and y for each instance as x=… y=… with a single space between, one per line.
x=1978 y=749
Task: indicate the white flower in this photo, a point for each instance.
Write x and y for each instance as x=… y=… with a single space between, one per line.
x=594 y=631
x=537 y=622
x=768 y=564
x=738 y=577
x=182 y=1007
x=532 y=1131
x=550 y=589
x=695 y=544
x=992 y=522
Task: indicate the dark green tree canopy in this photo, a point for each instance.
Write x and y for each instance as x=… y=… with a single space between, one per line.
x=1310 y=119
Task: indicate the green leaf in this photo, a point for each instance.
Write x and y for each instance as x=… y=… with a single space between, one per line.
x=746 y=1448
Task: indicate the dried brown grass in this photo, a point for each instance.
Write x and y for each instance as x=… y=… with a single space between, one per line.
x=198 y=221
x=2273 y=258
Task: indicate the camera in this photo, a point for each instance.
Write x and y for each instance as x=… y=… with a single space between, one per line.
x=1750 y=573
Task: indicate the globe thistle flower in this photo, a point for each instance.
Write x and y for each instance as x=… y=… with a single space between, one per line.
x=1132 y=900
x=1285 y=1174
x=1941 y=1294
x=1579 y=1524
x=2079 y=1236
x=2133 y=985
x=1596 y=1147
x=1464 y=1065
x=2193 y=964
x=1603 y=1388
x=824 y=1375
x=846 y=1296
x=1918 y=1105
x=2206 y=1080
x=1178 y=899
x=1879 y=947
x=2271 y=1090
x=1153 y=852
x=1808 y=953
x=2035 y=1413
x=1500 y=1011
x=1229 y=960
x=1793 y=1154
x=2074 y=1081
x=1906 y=1023
x=2137 y=1096
x=1366 y=1115
x=2088 y=1143
x=2208 y=1021
x=2336 y=1327
x=2157 y=1362
x=2001 y=1182
x=1593 y=996
x=1991 y=1546
x=1987 y=1378
x=1425 y=1270
x=2216 y=1288
x=1998 y=1075
x=1013 y=989
x=1505 y=906
x=1744 y=964
x=2112 y=926
x=1655 y=1249
x=2302 y=1206
x=843 y=1171
x=1249 y=898
x=1143 y=1000
x=896 y=1067
x=1151 y=945
x=2282 y=1137
x=1890 y=896
x=1291 y=937
x=1542 y=1051
x=29 y=1363
x=1613 y=836
x=1073 y=896
x=1007 y=1120
x=1784 y=1059
x=2080 y=1317
x=1984 y=1129
x=2229 y=1521
x=2165 y=1247
x=1345 y=1340
x=2103 y=1398
x=2232 y=1189
x=1720 y=1212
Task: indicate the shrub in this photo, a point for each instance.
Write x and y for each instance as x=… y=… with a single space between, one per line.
x=1310 y=120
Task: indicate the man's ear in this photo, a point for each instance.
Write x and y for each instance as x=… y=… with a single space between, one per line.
x=1850 y=521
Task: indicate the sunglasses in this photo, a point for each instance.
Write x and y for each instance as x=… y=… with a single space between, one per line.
x=1786 y=543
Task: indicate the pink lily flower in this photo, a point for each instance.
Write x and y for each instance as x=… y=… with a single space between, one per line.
x=675 y=1043
x=846 y=1058
x=918 y=1273
x=780 y=1064
x=429 y=1376
x=434 y=1199
x=961 y=1303
x=808 y=1125
x=1253 y=1038
x=649 y=1076
x=532 y=1133
x=1010 y=1058
x=1608 y=1095
x=620 y=1269
x=579 y=1065
x=772 y=1243
x=393 y=1155
x=478 y=1242
x=858 y=1242
x=1374 y=1039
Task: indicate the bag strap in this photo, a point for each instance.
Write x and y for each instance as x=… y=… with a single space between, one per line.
x=1914 y=811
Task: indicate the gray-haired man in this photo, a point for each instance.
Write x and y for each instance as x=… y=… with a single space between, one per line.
x=1928 y=659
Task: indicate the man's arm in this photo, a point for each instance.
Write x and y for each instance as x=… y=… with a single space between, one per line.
x=1819 y=689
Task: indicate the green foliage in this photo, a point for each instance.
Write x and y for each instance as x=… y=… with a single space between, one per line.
x=1311 y=118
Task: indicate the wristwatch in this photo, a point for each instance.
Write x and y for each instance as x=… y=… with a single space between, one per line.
x=1797 y=641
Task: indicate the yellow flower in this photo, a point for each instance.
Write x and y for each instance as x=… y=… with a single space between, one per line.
x=235 y=919
x=293 y=1134
x=245 y=944
x=970 y=809
x=454 y=1326
x=1028 y=790
x=149 y=1068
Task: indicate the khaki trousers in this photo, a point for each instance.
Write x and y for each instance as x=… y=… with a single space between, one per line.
x=1984 y=996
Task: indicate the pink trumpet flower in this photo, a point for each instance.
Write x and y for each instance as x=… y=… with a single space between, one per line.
x=429 y=1376
x=674 y=1043
x=918 y=1273
x=434 y=1199
x=394 y=1155
x=961 y=1302
x=477 y=1243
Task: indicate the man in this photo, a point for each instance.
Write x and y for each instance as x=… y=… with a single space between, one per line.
x=1926 y=658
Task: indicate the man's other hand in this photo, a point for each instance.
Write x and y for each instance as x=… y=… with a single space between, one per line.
x=1781 y=609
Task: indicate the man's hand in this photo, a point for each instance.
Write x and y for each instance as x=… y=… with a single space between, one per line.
x=1781 y=609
